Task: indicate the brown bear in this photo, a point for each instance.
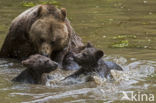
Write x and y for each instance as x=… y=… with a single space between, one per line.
x=42 y=29
x=90 y=61
x=68 y=61
x=37 y=67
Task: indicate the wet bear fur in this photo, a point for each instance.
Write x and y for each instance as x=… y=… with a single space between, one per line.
x=90 y=61
x=42 y=29
x=37 y=66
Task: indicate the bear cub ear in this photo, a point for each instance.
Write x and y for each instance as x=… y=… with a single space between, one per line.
x=64 y=13
x=89 y=45
x=99 y=54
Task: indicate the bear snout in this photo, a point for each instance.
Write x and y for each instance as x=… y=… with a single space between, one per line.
x=26 y=62
x=77 y=57
x=46 y=49
x=55 y=65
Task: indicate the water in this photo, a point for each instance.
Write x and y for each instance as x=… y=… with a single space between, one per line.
x=108 y=24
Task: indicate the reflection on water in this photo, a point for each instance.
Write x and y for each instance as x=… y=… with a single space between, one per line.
x=124 y=23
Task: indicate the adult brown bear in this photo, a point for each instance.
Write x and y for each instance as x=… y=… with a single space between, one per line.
x=42 y=29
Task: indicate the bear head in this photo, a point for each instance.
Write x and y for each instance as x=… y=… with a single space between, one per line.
x=49 y=33
x=89 y=56
x=40 y=63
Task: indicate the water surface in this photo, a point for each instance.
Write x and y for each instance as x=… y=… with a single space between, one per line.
x=124 y=29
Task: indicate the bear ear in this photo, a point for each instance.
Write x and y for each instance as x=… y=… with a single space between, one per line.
x=39 y=11
x=64 y=13
x=99 y=54
x=89 y=45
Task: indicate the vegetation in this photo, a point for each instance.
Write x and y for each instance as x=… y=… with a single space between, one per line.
x=129 y=41
x=31 y=3
x=121 y=44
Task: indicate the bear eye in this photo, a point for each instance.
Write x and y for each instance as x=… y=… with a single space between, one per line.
x=46 y=61
x=52 y=42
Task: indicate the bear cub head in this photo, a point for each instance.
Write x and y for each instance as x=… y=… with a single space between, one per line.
x=89 y=56
x=40 y=63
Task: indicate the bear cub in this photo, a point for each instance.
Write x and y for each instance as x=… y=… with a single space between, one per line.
x=37 y=67
x=68 y=62
x=90 y=61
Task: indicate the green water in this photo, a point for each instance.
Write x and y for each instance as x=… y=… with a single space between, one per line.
x=124 y=29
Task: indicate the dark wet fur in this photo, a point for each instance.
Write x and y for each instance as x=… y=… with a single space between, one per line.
x=37 y=67
x=68 y=62
x=90 y=60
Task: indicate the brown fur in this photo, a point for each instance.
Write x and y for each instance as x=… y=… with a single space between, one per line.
x=42 y=23
x=68 y=61
x=90 y=60
x=37 y=68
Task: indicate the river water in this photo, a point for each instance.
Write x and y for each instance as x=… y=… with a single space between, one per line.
x=124 y=29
